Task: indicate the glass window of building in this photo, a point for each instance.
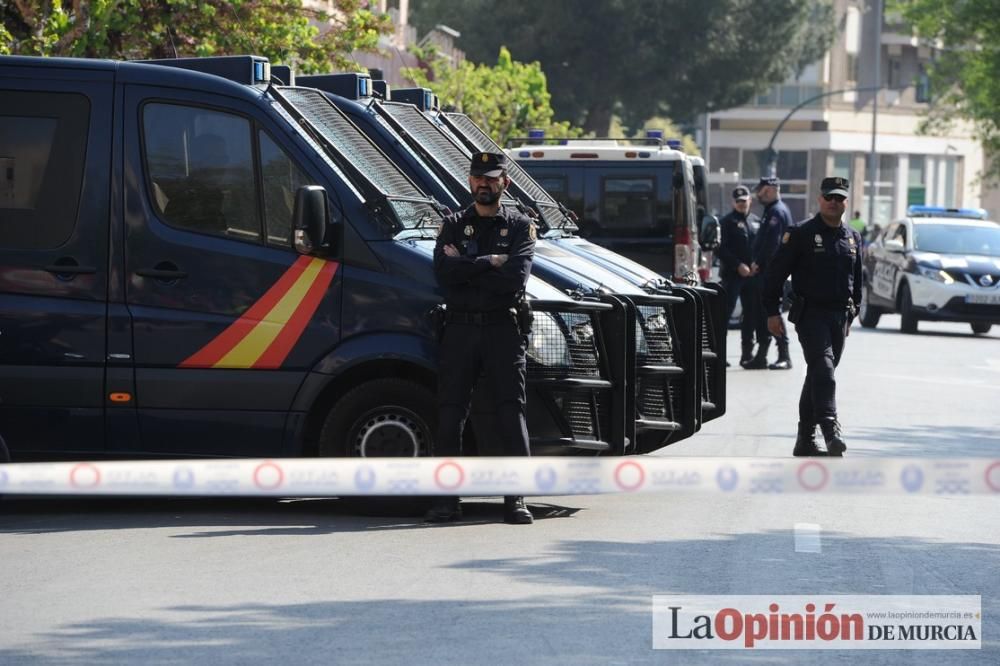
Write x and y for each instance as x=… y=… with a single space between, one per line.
x=916 y=181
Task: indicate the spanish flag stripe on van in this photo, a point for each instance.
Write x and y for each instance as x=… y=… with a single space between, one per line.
x=248 y=338
x=282 y=344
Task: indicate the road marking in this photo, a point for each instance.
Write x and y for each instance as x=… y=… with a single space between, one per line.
x=807 y=538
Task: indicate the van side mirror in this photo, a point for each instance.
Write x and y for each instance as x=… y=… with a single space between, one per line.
x=310 y=218
x=709 y=236
x=894 y=245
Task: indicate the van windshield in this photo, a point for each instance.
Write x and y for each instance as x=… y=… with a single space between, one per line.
x=957 y=239
x=634 y=204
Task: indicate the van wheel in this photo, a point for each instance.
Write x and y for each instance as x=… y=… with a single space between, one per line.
x=868 y=314
x=908 y=318
x=980 y=328
x=382 y=418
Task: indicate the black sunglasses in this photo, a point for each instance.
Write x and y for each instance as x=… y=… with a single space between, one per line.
x=834 y=197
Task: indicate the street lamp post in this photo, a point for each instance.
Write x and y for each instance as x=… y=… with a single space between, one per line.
x=769 y=156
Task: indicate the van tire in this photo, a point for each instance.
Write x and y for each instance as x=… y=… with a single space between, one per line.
x=382 y=418
x=980 y=328
x=907 y=317
x=868 y=314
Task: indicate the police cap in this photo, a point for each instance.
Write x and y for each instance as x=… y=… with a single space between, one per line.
x=488 y=164
x=835 y=185
x=767 y=181
x=741 y=193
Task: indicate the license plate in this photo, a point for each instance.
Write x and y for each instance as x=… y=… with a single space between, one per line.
x=983 y=299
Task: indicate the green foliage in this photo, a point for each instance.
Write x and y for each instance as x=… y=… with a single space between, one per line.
x=642 y=58
x=135 y=29
x=670 y=131
x=965 y=75
x=506 y=100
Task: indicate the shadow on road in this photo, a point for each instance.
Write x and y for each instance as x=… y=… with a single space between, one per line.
x=240 y=516
x=608 y=625
x=928 y=441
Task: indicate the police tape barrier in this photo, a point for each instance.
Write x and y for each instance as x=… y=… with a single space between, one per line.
x=333 y=477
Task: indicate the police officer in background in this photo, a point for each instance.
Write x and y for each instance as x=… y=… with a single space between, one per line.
x=482 y=260
x=773 y=223
x=735 y=257
x=823 y=255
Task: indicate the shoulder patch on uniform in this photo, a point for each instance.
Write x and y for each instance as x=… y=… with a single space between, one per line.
x=784 y=239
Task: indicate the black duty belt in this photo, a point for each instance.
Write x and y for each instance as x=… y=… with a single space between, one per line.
x=480 y=318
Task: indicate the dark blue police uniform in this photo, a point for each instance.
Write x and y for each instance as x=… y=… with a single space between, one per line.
x=481 y=334
x=775 y=220
x=735 y=248
x=825 y=265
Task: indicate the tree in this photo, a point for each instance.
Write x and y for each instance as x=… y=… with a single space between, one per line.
x=135 y=29
x=965 y=75
x=505 y=100
x=642 y=58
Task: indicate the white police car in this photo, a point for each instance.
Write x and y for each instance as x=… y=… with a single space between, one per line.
x=936 y=264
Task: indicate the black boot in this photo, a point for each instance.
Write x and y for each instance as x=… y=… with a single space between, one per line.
x=835 y=444
x=747 y=354
x=443 y=510
x=515 y=512
x=784 y=361
x=759 y=361
x=805 y=441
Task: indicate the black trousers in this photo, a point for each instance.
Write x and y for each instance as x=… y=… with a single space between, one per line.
x=745 y=291
x=496 y=352
x=821 y=334
x=762 y=332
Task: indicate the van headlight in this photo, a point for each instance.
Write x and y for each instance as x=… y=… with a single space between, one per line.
x=547 y=343
x=936 y=274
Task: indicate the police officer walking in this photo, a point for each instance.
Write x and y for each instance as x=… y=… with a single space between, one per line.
x=482 y=260
x=823 y=255
x=773 y=223
x=735 y=257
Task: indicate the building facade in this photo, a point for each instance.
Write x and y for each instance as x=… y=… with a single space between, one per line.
x=831 y=134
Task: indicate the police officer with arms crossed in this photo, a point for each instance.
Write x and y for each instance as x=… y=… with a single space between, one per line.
x=735 y=257
x=775 y=220
x=482 y=260
x=823 y=256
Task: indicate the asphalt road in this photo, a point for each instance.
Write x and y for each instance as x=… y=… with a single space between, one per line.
x=308 y=581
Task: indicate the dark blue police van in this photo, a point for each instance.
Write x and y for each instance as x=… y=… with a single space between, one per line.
x=197 y=262
x=674 y=362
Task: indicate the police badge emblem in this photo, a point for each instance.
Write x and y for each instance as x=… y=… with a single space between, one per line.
x=818 y=239
x=851 y=240
x=469 y=230
x=503 y=232
x=784 y=239
x=532 y=234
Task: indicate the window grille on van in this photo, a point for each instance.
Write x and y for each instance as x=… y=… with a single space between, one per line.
x=658 y=331
x=435 y=142
x=483 y=142
x=351 y=142
x=563 y=344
